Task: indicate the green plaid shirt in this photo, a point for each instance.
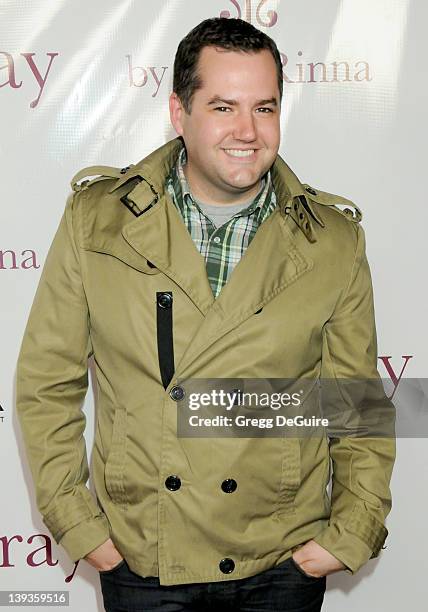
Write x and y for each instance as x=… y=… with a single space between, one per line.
x=232 y=238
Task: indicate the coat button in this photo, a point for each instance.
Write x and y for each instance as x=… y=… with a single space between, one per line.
x=310 y=190
x=229 y=485
x=227 y=565
x=125 y=170
x=165 y=300
x=177 y=393
x=173 y=483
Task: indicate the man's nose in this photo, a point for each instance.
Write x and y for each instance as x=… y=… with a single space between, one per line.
x=244 y=127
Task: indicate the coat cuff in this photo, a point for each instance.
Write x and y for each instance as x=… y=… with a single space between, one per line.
x=355 y=540
x=77 y=523
x=85 y=537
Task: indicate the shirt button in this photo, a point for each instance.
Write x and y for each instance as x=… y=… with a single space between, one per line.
x=217 y=239
x=227 y=565
x=177 y=393
x=173 y=483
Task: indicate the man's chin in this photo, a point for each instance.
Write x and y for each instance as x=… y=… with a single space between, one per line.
x=243 y=185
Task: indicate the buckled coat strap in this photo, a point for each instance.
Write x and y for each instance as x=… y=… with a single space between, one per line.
x=301 y=211
x=140 y=195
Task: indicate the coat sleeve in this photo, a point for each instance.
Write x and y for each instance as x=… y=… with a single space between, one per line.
x=51 y=384
x=362 y=466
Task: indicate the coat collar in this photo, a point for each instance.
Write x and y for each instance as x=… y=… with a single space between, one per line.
x=143 y=184
x=273 y=260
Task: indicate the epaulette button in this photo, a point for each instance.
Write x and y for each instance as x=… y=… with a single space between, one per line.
x=125 y=170
x=81 y=186
x=310 y=190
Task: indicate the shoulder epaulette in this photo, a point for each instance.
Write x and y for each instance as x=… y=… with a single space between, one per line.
x=350 y=210
x=100 y=172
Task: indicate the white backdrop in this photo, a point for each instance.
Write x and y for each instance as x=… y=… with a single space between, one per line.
x=88 y=83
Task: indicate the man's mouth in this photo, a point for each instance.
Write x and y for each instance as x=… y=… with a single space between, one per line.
x=241 y=153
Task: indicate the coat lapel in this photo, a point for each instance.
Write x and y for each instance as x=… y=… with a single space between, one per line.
x=271 y=263
x=160 y=236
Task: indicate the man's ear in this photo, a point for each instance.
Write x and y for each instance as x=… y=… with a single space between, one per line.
x=176 y=113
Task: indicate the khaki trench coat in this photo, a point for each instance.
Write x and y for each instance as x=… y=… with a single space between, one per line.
x=298 y=304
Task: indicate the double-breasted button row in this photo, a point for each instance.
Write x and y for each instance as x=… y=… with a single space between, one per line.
x=173 y=483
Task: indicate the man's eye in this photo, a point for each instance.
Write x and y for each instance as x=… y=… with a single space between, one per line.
x=227 y=108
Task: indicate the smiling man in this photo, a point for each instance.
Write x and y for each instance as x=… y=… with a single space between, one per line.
x=208 y=259
x=231 y=128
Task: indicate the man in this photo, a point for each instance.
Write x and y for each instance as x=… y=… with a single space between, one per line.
x=207 y=259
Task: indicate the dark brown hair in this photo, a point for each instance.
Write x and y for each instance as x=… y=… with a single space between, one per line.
x=225 y=33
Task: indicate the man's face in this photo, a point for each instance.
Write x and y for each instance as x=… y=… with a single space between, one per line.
x=232 y=134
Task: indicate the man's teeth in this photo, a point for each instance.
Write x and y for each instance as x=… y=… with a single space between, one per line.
x=238 y=153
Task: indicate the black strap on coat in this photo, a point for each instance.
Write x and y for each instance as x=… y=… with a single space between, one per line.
x=164 y=302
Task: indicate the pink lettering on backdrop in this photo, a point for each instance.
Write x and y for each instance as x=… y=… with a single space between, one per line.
x=46 y=550
x=40 y=78
x=9 y=260
x=248 y=15
x=139 y=76
x=391 y=372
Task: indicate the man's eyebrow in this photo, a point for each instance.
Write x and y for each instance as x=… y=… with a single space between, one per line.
x=217 y=99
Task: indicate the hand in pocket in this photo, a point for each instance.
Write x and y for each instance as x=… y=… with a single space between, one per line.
x=105 y=557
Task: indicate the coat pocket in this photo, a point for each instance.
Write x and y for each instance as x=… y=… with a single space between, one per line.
x=114 y=470
x=290 y=477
